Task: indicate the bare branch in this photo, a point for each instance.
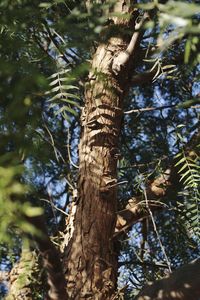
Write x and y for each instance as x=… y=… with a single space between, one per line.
x=137 y=209
x=138 y=110
x=143 y=263
x=56 y=44
x=146 y=109
x=156 y=192
x=123 y=58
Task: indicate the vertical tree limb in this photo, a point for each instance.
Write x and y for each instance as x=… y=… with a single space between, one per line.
x=51 y=261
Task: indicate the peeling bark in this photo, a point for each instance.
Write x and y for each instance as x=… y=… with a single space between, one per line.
x=90 y=260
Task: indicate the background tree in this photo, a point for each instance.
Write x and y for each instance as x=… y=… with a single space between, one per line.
x=123 y=77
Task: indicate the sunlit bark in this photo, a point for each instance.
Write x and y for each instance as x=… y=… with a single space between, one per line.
x=91 y=259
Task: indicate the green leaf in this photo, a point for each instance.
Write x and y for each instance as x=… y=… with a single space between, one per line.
x=33 y=211
x=183 y=168
x=187 y=51
x=183 y=159
x=45 y=5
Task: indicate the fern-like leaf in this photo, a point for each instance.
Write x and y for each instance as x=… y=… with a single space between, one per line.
x=63 y=98
x=190 y=177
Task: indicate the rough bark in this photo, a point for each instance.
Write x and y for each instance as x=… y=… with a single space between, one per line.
x=51 y=261
x=182 y=284
x=90 y=260
x=24 y=278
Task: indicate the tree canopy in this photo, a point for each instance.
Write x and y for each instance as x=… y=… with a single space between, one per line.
x=47 y=71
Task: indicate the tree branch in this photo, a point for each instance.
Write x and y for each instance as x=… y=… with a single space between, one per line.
x=24 y=279
x=56 y=44
x=156 y=191
x=138 y=110
x=136 y=209
x=123 y=58
x=182 y=284
x=51 y=261
x=146 y=109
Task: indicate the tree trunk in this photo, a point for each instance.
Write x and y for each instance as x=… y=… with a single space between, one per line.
x=90 y=260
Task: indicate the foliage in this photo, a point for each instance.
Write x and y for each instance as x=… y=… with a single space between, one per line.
x=188 y=165
x=62 y=92
x=176 y=20
x=14 y=214
x=44 y=58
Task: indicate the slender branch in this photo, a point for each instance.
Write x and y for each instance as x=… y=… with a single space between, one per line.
x=136 y=209
x=56 y=44
x=138 y=110
x=143 y=263
x=140 y=165
x=156 y=231
x=54 y=206
x=146 y=109
x=41 y=46
x=69 y=151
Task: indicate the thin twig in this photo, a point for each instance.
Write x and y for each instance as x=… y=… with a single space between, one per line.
x=139 y=110
x=59 y=209
x=52 y=143
x=140 y=165
x=56 y=44
x=143 y=263
x=71 y=186
x=52 y=207
x=156 y=231
x=68 y=150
